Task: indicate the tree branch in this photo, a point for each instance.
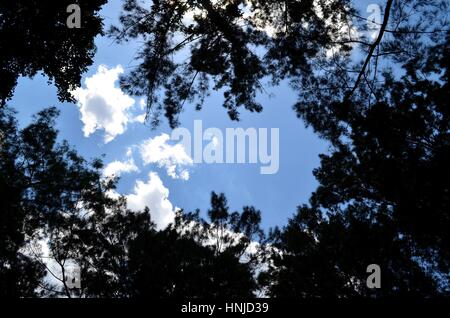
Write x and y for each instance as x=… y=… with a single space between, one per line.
x=372 y=48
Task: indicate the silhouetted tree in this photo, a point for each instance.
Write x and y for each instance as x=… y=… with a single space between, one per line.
x=19 y=274
x=327 y=256
x=235 y=46
x=34 y=37
x=398 y=153
x=226 y=45
x=206 y=259
x=384 y=193
x=103 y=251
x=54 y=195
x=59 y=213
x=385 y=114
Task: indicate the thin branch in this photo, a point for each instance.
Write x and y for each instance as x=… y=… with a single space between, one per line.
x=63 y=272
x=372 y=48
x=400 y=31
x=415 y=32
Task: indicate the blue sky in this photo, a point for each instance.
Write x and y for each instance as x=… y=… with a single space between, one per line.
x=277 y=195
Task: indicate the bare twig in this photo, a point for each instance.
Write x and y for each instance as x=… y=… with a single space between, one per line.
x=372 y=48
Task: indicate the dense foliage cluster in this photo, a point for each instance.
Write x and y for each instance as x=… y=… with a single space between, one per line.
x=34 y=37
x=384 y=188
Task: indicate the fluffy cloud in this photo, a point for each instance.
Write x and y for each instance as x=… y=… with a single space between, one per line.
x=117 y=168
x=154 y=195
x=171 y=157
x=103 y=105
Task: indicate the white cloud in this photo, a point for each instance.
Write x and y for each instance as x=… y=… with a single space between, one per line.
x=38 y=248
x=154 y=195
x=140 y=118
x=117 y=168
x=142 y=103
x=172 y=157
x=103 y=105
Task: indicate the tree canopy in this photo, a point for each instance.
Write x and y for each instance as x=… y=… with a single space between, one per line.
x=59 y=202
x=380 y=99
x=34 y=37
x=191 y=47
x=240 y=46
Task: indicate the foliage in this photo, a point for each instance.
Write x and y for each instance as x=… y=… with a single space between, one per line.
x=383 y=194
x=191 y=47
x=34 y=38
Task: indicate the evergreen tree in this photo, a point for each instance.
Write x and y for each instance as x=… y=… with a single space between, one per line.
x=207 y=259
x=383 y=196
x=34 y=37
x=59 y=214
x=228 y=48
